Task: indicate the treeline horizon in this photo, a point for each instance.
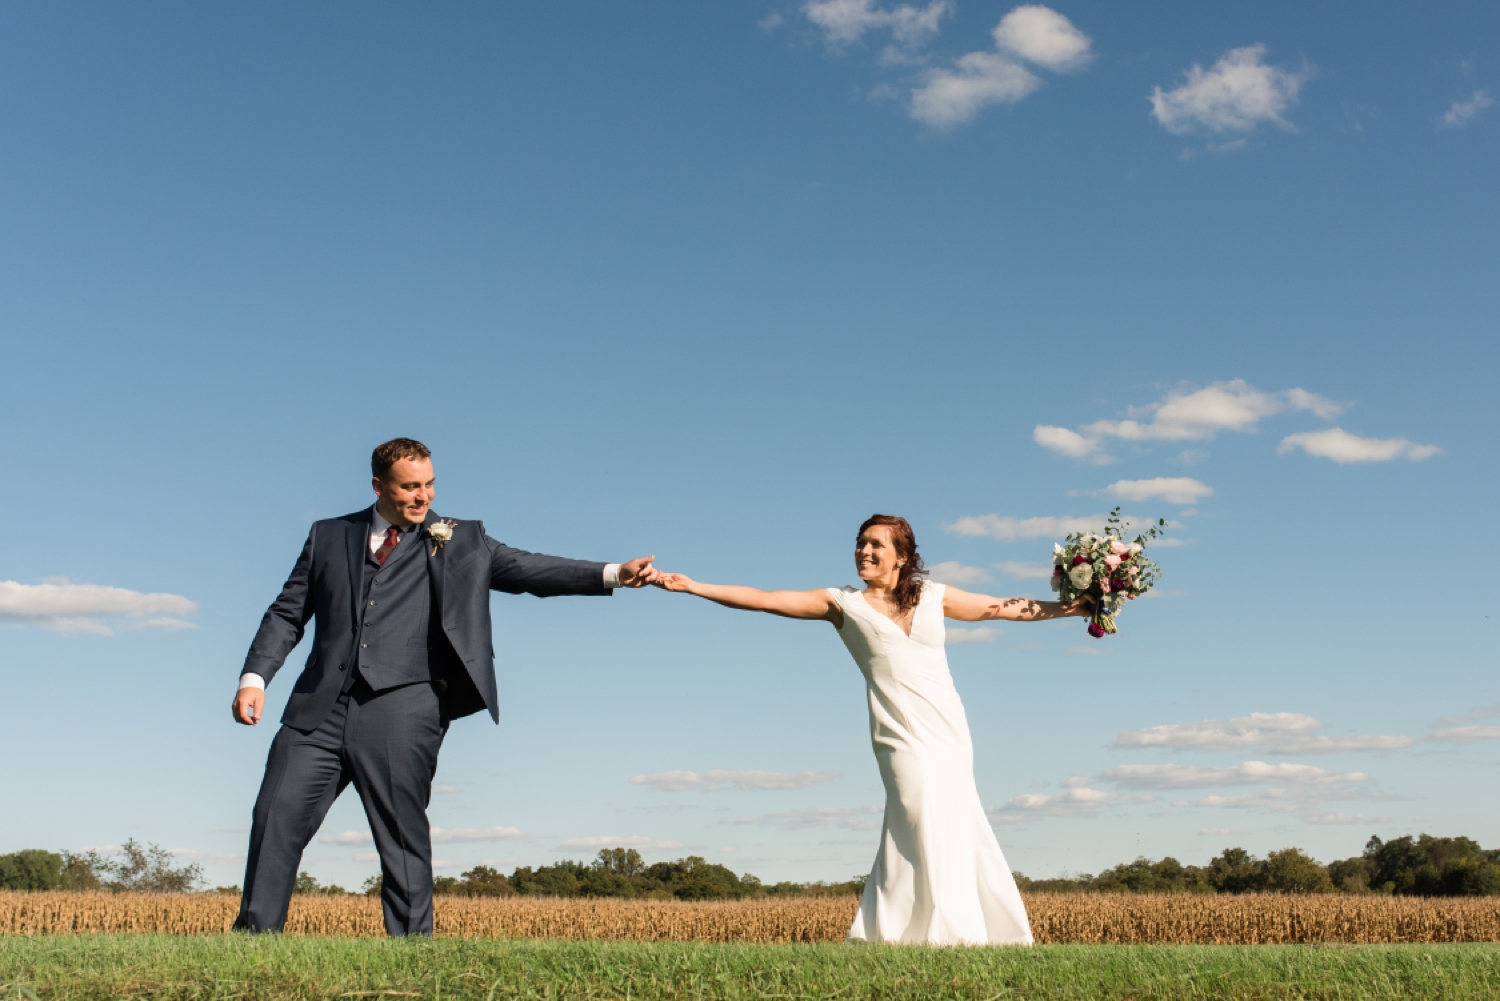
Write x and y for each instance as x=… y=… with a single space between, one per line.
x=1407 y=866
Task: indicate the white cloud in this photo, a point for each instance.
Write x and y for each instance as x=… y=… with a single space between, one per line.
x=367 y=856
x=1043 y=36
x=770 y=22
x=1343 y=447
x=1172 y=489
x=1218 y=831
x=469 y=834
x=1462 y=112
x=1025 y=571
x=955 y=636
x=1270 y=733
x=636 y=841
x=845 y=22
x=1186 y=415
x=953 y=572
x=66 y=607
x=720 y=779
x=440 y=835
x=1075 y=801
x=853 y=818
x=1088 y=651
x=347 y=838
x=1237 y=94
x=1467 y=734
x=1248 y=773
x=1031 y=33
x=950 y=97
x=1008 y=529
x=446 y=789
x=1343 y=818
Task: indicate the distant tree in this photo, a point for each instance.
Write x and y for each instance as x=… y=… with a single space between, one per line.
x=1426 y=866
x=621 y=861
x=1350 y=875
x=482 y=881
x=228 y=891
x=371 y=886
x=84 y=871
x=1145 y=876
x=1290 y=871
x=32 y=869
x=444 y=886
x=1236 y=871
x=145 y=869
x=307 y=883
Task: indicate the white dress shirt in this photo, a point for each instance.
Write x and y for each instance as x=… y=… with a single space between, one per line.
x=377 y=539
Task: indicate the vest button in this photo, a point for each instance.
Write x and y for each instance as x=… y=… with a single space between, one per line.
x=364 y=646
x=341 y=667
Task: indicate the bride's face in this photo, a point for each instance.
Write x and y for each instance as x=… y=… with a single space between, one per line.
x=875 y=554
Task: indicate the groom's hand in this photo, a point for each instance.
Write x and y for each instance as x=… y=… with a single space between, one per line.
x=638 y=572
x=249 y=704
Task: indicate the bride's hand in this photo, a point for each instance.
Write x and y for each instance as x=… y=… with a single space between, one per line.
x=1082 y=606
x=672 y=581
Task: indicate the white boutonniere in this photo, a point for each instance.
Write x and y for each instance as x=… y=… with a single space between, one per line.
x=441 y=533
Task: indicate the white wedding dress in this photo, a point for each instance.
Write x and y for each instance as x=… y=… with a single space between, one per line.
x=939 y=876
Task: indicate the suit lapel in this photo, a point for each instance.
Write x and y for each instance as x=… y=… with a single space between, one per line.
x=436 y=564
x=358 y=542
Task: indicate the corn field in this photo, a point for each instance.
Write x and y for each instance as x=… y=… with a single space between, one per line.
x=1055 y=918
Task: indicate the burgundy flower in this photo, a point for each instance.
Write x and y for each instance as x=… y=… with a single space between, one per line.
x=1116 y=584
x=1079 y=559
x=1057 y=571
x=1096 y=630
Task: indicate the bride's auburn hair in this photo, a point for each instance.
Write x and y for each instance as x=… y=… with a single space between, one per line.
x=909 y=576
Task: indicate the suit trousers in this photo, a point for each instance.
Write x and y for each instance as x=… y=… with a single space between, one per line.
x=386 y=743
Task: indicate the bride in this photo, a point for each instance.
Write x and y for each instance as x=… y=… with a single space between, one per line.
x=939 y=876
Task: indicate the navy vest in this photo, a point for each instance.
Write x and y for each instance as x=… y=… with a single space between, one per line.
x=398 y=642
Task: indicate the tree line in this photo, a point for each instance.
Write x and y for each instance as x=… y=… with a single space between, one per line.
x=1423 y=866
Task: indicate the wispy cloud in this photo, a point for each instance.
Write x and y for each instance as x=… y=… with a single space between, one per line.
x=465 y=835
x=953 y=572
x=63 y=606
x=1462 y=112
x=1008 y=529
x=636 y=841
x=1172 y=489
x=1238 y=93
x=1025 y=571
x=1269 y=733
x=1467 y=734
x=1185 y=415
x=440 y=835
x=1031 y=33
x=720 y=779
x=853 y=818
x=1076 y=801
x=955 y=636
x=1248 y=773
x=846 y=22
x=1343 y=447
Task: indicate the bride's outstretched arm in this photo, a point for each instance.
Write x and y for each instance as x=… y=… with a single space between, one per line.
x=968 y=607
x=792 y=604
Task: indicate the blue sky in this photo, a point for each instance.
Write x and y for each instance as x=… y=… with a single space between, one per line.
x=716 y=281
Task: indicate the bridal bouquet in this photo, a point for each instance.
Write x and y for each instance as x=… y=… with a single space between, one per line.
x=1105 y=567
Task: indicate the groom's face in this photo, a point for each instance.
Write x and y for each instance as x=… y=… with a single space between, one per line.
x=406 y=492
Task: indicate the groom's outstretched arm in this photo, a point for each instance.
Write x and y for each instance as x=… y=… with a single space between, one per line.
x=516 y=571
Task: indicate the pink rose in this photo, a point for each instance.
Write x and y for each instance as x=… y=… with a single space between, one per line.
x=1104 y=585
x=1112 y=560
x=1119 y=548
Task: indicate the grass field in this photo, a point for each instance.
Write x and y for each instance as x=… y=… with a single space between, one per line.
x=220 y=968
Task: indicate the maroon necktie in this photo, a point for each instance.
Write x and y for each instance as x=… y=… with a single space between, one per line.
x=391 y=538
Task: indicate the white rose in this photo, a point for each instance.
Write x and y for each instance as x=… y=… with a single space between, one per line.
x=440 y=531
x=1059 y=554
x=1082 y=575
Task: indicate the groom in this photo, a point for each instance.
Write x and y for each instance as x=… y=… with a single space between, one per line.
x=402 y=647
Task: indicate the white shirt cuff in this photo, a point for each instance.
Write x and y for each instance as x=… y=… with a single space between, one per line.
x=248 y=680
x=611 y=575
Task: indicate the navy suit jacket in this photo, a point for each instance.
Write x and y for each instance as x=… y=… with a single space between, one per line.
x=327 y=586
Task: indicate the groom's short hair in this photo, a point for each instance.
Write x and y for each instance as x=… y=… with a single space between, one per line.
x=393 y=451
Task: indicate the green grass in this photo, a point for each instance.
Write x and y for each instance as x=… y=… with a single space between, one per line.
x=235 y=967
